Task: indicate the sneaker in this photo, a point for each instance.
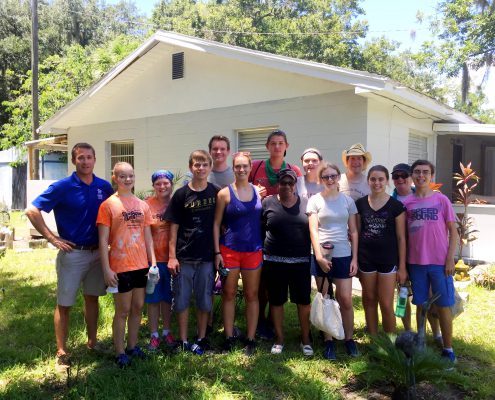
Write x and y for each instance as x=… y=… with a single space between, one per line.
x=351 y=348
x=250 y=347
x=229 y=343
x=449 y=356
x=204 y=344
x=329 y=352
x=136 y=352
x=154 y=343
x=307 y=350
x=62 y=361
x=196 y=349
x=277 y=349
x=168 y=339
x=123 y=361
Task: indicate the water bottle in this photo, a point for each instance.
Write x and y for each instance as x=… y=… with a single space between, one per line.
x=400 y=307
x=153 y=277
x=196 y=349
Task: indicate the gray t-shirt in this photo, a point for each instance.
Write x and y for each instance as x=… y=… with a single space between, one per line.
x=355 y=190
x=333 y=216
x=221 y=178
x=307 y=189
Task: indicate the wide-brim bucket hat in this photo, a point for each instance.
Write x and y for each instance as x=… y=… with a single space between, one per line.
x=357 y=149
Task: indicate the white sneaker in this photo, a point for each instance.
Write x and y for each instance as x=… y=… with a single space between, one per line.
x=307 y=350
x=277 y=348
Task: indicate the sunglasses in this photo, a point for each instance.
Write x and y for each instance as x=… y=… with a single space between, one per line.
x=332 y=177
x=400 y=176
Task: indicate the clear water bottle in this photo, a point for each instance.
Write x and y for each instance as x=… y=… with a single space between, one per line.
x=153 y=278
x=400 y=307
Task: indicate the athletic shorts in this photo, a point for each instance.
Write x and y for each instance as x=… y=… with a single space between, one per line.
x=135 y=279
x=285 y=278
x=245 y=260
x=380 y=268
x=197 y=278
x=424 y=276
x=163 y=289
x=75 y=268
x=341 y=268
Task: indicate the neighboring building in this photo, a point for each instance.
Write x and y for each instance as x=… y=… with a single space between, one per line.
x=175 y=91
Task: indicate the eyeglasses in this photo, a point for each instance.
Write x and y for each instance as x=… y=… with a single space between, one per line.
x=287 y=183
x=327 y=177
x=400 y=176
x=424 y=172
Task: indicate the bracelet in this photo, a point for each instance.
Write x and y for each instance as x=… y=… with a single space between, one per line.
x=217 y=253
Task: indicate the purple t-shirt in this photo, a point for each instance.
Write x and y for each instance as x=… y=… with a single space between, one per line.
x=427 y=219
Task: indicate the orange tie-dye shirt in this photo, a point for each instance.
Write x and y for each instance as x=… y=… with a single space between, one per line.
x=160 y=229
x=126 y=217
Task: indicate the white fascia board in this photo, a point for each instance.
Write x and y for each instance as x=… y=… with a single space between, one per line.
x=464 y=129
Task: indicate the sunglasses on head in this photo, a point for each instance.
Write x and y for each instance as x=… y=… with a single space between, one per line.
x=402 y=175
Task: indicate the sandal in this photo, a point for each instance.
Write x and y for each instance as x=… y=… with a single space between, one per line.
x=277 y=348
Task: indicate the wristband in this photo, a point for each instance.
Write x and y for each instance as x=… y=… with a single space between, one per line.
x=217 y=253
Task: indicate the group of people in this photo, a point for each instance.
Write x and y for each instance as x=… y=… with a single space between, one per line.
x=260 y=220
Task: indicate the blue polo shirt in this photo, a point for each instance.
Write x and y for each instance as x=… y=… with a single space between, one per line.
x=75 y=205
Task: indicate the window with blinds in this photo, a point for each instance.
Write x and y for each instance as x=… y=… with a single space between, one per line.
x=121 y=151
x=417 y=148
x=254 y=141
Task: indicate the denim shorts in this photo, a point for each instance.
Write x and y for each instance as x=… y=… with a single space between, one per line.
x=341 y=268
x=197 y=278
x=424 y=276
x=163 y=289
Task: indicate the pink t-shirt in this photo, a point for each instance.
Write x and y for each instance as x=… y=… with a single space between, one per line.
x=427 y=219
x=258 y=175
x=159 y=229
x=127 y=217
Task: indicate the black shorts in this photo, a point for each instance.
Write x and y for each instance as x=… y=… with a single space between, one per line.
x=283 y=278
x=380 y=268
x=132 y=280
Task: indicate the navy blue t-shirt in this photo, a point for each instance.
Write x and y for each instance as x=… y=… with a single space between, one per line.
x=75 y=205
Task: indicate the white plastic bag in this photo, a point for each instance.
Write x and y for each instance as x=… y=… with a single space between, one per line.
x=325 y=314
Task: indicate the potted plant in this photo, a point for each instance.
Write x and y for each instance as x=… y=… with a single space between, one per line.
x=466 y=181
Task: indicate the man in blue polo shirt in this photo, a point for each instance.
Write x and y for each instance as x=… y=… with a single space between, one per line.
x=75 y=201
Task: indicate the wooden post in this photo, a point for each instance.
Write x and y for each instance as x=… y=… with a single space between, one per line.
x=34 y=157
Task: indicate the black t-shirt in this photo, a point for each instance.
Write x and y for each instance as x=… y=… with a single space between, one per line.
x=287 y=229
x=194 y=212
x=377 y=239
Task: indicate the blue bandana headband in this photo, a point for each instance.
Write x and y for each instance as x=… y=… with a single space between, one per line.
x=162 y=173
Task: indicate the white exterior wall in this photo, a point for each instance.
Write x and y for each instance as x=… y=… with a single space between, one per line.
x=388 y=133
x=330 y=122
x=6 y=157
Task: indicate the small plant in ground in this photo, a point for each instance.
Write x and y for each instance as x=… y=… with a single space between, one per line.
x=390 y=364
x=486 y=278
x=466 y=181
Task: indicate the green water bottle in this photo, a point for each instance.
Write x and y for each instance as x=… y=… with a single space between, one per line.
x=400 y=307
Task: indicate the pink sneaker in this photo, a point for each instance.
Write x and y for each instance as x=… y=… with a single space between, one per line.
x=169 y=339
x=154 y=344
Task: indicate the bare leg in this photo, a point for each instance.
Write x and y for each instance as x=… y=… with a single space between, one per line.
x=434 y=322
x=61 y=322
x=166 y=311
x=318 y=280
x=278 y=322
x=202 y=317
x=182 y=321
x=134 y=321
x=153 y=316
x=343 y=294
x=406 y=320
x=251 y=281
x=229 y=292
x=369 y=284
x=91 y=312
x=122 y=309
x=385 y=290
x=303 y=311
x=445 y=317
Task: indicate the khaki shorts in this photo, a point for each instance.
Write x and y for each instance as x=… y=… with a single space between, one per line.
x=74 y=268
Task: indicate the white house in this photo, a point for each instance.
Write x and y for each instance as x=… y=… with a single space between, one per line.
x=175 y=91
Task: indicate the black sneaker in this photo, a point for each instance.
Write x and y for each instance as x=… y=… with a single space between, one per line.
x=229 y=343
x=250 y=348
x=123 y=361
x=136 y=352
x=204 y=344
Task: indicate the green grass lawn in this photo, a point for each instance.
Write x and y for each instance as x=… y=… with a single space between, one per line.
x=27 y=349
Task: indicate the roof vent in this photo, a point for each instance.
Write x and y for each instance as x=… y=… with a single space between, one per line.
x=178 y=65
